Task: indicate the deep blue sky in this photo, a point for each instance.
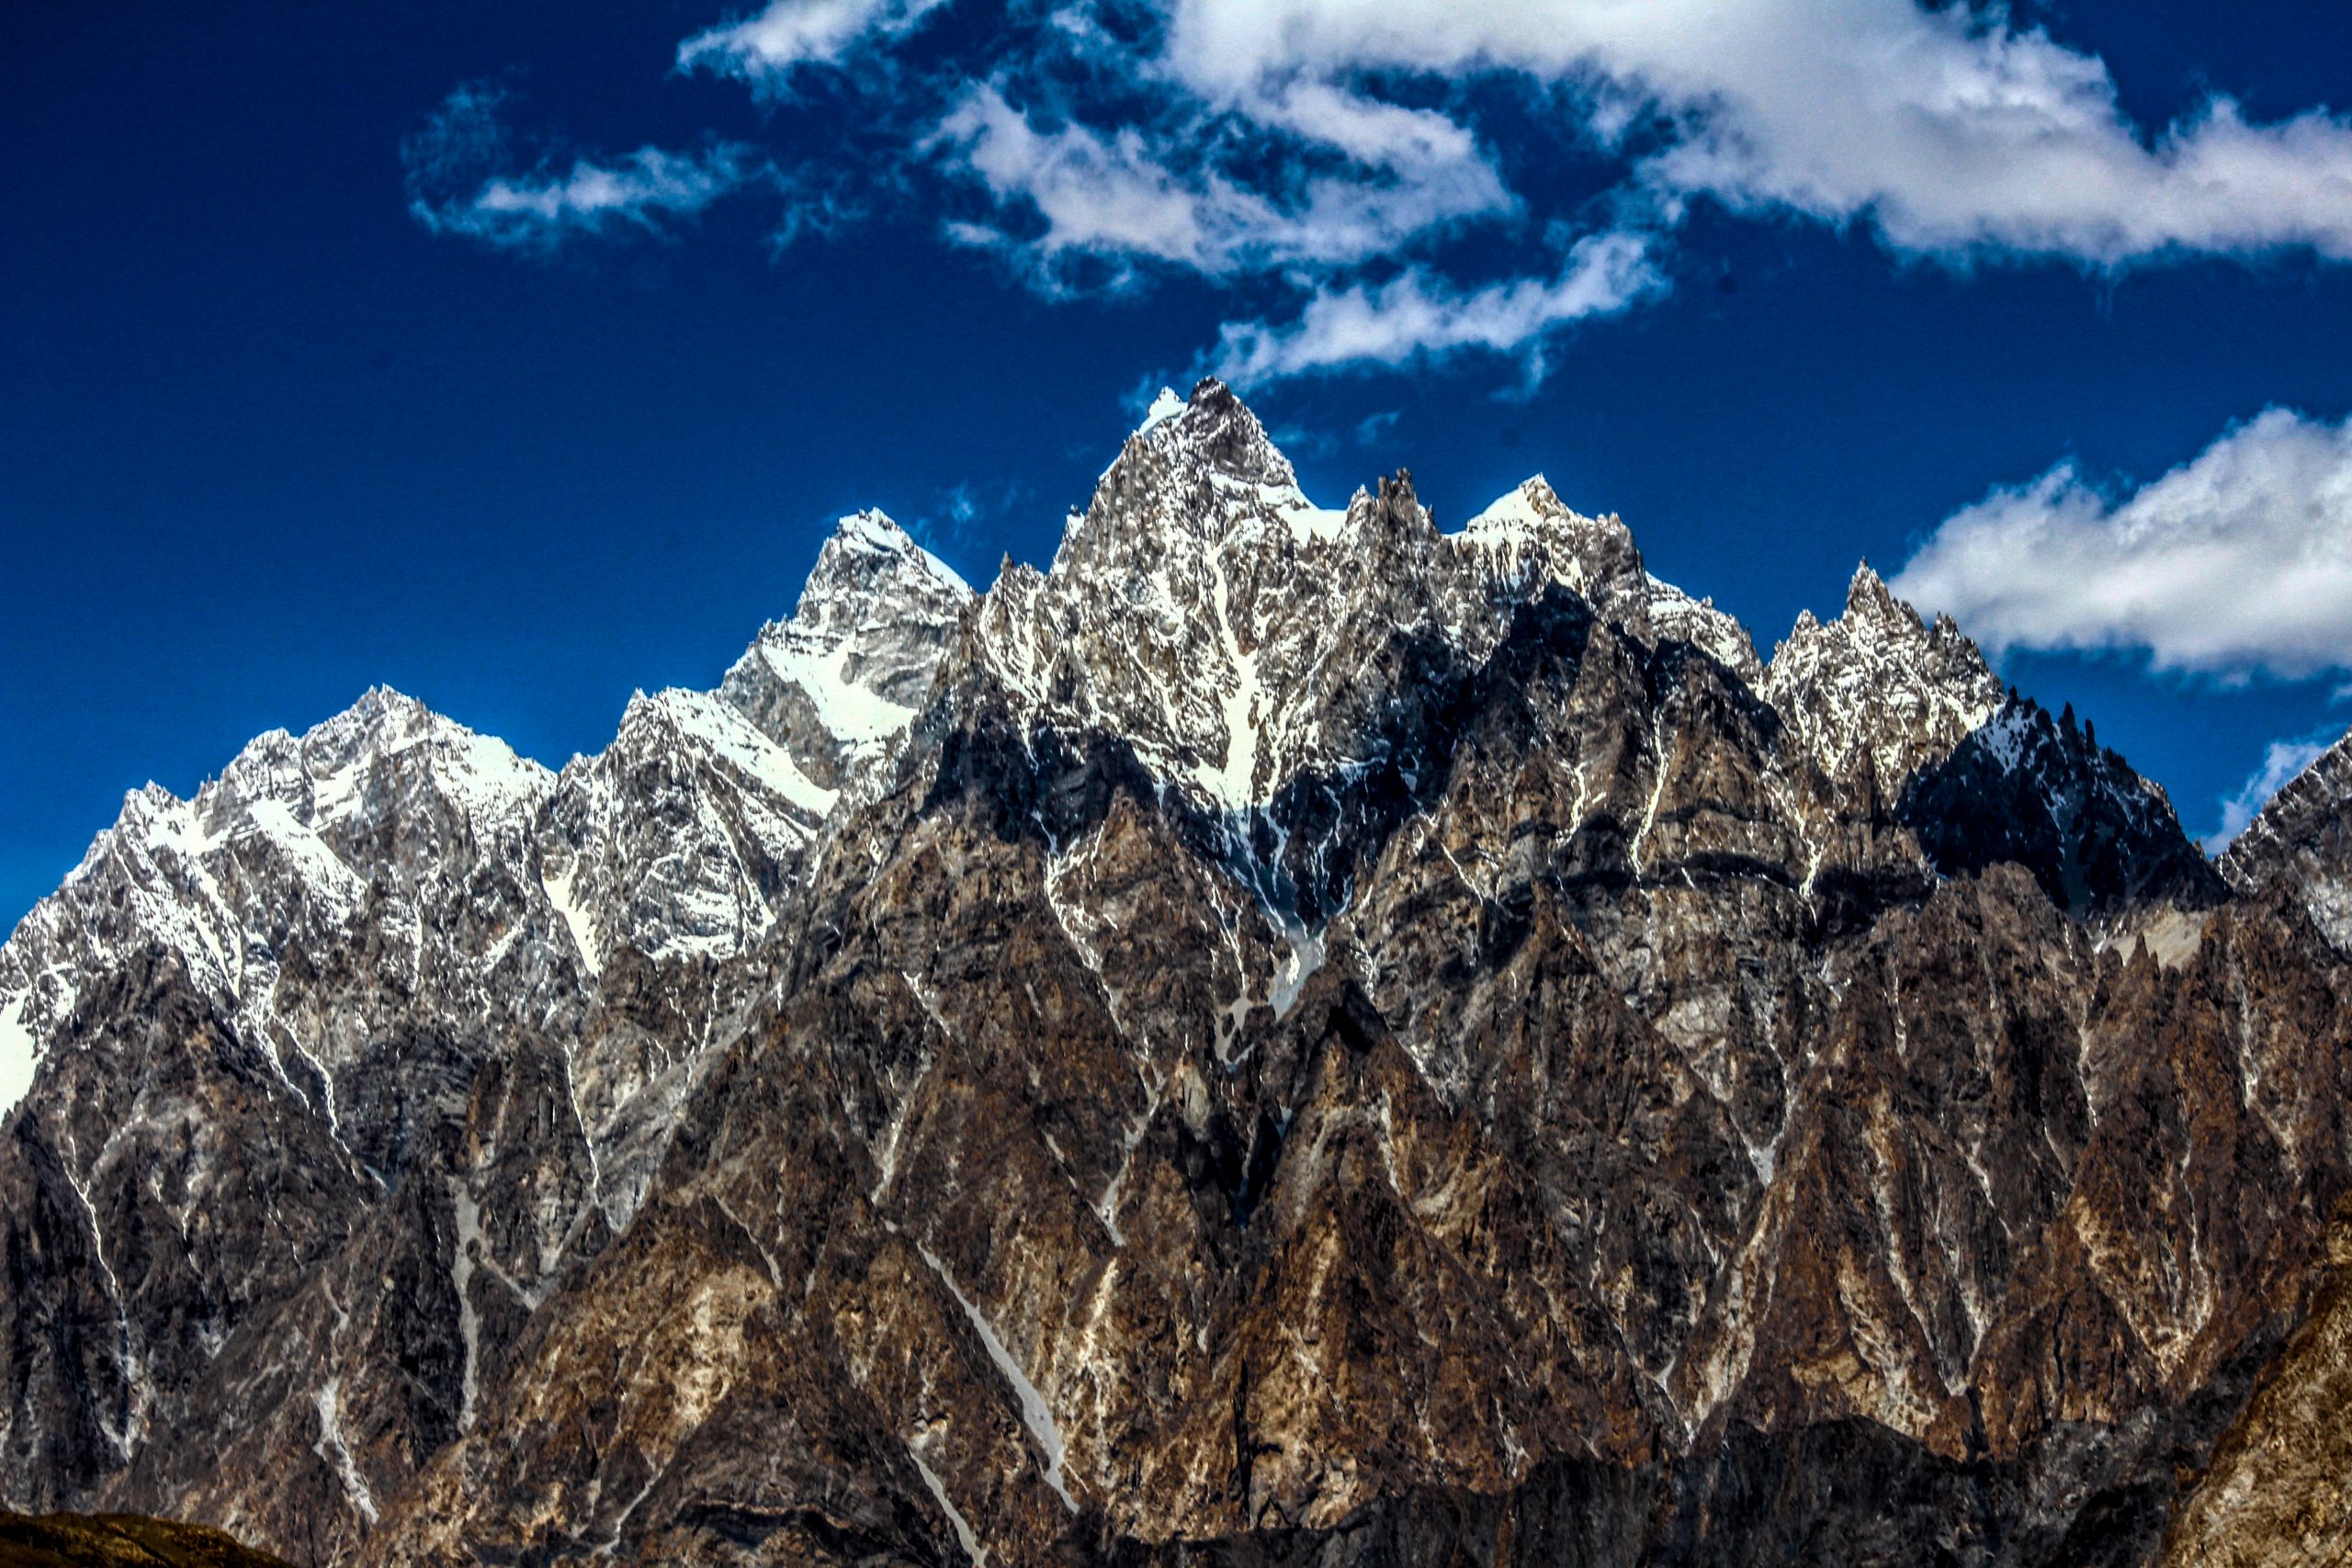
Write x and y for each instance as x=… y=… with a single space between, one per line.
x=264 y=440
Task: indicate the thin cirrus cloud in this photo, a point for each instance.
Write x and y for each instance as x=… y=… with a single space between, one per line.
x=2237 y=563
x=462 y=180
x=1328 y=150
x=765 y=49
x=1125 y=197
x=1410 y=316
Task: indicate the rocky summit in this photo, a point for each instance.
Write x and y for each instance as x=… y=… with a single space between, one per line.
x=1288 y=1035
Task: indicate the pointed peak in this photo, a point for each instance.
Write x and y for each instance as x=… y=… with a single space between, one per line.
x=1868 y=599
x=1533 y=504
x=381 y=702
x=1209 y=392
x=1589 y=554
x=874 y=532
x=869 y=555
x=1215 y=431
x=146 y=803
x=381 y=717
x=870 y=527
x=1165 y=407
x=1192 y=473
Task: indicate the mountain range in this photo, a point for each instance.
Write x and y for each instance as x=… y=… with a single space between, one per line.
x=1289 y=1035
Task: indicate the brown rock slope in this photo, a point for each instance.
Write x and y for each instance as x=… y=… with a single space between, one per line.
x=1325 y=1041
x=119 y=1541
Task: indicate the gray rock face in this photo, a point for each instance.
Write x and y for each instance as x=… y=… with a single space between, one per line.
x=472 y=987
x=2302 y=841
x=1290 y=1034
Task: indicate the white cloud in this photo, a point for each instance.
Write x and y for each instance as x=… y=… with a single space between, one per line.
x=1121 y=195
x=2280 y=763
x=1951 y=131
x=637 y=191
x=1311 y=147
x=765 y=49
x=461 y=181
x=1104 y=194
x=1412 y=317
x=2237 y=562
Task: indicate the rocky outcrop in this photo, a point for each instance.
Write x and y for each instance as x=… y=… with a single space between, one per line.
x=1292 y=1034
x=348 y=1058
x=2302 y=841
x=69 y=1540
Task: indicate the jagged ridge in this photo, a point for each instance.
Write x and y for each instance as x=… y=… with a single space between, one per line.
x=1299 y=927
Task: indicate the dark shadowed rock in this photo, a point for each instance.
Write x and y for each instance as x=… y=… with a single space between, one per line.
x=1291 y=1036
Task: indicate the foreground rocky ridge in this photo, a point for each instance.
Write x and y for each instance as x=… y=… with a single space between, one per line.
x=1291 y=1033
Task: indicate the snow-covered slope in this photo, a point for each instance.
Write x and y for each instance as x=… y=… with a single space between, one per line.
x=387 y=826
x=449 y=880
x=1205 y=611
x=838 y=683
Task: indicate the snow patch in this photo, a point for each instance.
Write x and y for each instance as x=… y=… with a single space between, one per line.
x=2004 y=739
x=1308 y=520
x=577 y=920
x=18 y=1052
x=1306 y=958
x=726 y=734
x=1515 y=515
x=964 y=1538
x=462 y=1276
x=1165 y=407
x=1034 y=1408
x=851 y=712
x=1242 y=704
x=321 y=869
x=332 y=1448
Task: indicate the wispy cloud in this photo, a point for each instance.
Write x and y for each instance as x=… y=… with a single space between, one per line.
x=2281 y=763
x=2235 y=563
x=1415 y=318
x=1329 y=155
x=462 y=179
x=1950 y=130
x=1162 y=193
x=767 y=48
x=955 y=521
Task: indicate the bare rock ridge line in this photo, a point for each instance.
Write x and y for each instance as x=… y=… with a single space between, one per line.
x=1288 y=1034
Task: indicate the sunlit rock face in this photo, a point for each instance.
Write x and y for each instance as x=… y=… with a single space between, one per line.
x=1291 y=1034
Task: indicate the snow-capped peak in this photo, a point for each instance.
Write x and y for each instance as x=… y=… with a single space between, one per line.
x=379 y=817
x=1869 y=600
x=870 y=563
x=1192 y=469
x=1166 y=406
x=1881 y=685
x=324 y=775
x=1530 y=535
x=1205 y=610
x=837 y=683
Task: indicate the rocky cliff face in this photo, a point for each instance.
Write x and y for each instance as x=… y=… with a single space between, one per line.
x=1289 y=1034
